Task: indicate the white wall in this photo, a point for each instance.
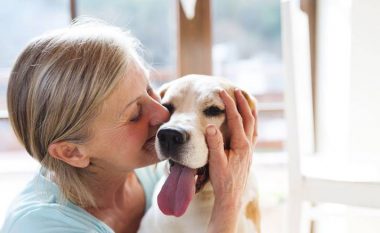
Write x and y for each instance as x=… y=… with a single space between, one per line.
x=348 y=77
x=365 y=79
x=348 y=89
x=333 y=75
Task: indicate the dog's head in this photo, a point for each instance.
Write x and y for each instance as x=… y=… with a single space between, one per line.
x=193 y=102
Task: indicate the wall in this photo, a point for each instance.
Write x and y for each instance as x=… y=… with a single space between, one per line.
x=333 y=75
x=365 y=79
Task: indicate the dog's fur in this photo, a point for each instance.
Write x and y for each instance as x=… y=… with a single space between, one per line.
x=190 y=96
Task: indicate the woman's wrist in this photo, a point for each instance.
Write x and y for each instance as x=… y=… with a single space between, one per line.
x=230 y=201
x=225 y=214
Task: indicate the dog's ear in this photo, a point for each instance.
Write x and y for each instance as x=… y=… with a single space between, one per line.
x=251 y=100
x=253 y=105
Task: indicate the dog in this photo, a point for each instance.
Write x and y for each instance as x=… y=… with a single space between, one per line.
x=183 y=199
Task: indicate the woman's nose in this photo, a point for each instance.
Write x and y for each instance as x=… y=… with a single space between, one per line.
x=159 y=114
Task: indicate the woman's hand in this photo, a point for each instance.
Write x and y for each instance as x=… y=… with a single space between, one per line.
x=229 y=169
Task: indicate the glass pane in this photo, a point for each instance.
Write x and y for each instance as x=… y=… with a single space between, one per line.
x=247 y=50
x=153 y=22
x=20 y=21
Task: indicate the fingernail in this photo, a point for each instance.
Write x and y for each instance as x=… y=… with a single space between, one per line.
x=211 y=130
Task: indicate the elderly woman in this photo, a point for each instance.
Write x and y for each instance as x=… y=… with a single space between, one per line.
x=80 y=101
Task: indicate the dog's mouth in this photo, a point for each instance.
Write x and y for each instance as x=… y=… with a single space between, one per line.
x=201 y=175
x=180 y=187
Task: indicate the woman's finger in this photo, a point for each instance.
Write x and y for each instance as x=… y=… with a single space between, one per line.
x=255 y=133
x=217 y=157
x=234 y=120
x=246 y=113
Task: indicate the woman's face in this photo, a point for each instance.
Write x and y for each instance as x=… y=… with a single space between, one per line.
x=122 y=135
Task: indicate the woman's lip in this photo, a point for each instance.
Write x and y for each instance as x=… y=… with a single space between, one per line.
x=151 y=138
x=149 y=144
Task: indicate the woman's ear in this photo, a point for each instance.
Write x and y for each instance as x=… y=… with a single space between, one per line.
x=68 y=153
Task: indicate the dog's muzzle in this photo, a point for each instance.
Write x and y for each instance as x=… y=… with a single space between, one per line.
x=172 y=140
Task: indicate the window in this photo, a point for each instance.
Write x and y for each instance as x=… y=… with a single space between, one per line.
x=247 y=50
x=153 y=22
x=20 y=21
x=246 y=45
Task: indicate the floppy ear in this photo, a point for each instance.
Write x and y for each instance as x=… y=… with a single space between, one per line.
x=251 y=100
x=253 y=105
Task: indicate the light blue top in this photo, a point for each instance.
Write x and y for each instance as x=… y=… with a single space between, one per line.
x=39 y=208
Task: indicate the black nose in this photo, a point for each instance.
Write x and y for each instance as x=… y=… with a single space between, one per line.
x=171 y=139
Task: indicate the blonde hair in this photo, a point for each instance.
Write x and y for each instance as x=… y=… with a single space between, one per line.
x=57 y=86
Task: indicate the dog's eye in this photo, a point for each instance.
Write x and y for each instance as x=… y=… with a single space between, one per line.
x=213 y=111
x=169 y=107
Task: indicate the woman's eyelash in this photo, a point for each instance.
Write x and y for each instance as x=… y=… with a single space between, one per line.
x=138 y=115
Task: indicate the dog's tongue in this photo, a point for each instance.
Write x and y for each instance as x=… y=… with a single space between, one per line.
x=178 y=190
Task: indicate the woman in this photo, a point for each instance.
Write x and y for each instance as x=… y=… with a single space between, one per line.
x=80 y=101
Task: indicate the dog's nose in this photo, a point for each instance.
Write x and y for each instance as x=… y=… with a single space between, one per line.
x=171 y=139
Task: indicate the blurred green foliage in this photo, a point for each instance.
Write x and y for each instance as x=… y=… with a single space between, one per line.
x=254 y=24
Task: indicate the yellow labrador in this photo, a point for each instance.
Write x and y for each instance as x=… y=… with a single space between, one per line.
x=183 y=200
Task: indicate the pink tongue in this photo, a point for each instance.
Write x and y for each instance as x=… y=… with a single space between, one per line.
x=178 y=190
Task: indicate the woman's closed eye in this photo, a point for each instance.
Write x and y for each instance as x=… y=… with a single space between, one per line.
x=136 y=115
x=137 y=112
